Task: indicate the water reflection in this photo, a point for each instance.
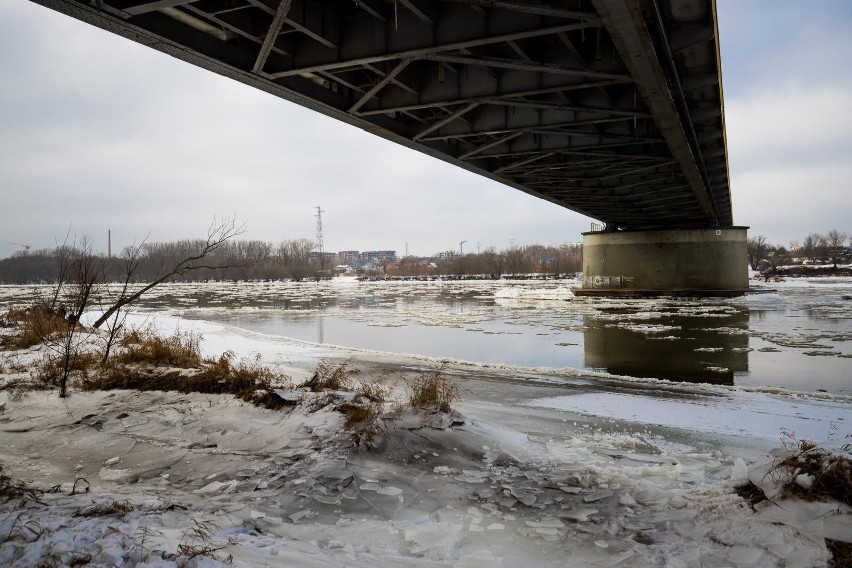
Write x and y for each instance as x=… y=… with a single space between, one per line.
x=800 y=338
x=689 y=351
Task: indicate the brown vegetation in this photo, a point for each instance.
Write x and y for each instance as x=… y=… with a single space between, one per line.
x=329 y=375
x=107 y=508
x=829 y=476
x=247 y=380
x=14 y=488
x=32 y=326
x=433 y=391
x=841 y=553
x=147 y=347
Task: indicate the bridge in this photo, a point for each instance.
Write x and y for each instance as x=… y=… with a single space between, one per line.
x=610 y=108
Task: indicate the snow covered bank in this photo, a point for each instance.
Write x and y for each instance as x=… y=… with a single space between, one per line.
x=539 y=471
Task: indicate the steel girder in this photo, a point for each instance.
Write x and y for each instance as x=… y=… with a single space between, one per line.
x=613 y=109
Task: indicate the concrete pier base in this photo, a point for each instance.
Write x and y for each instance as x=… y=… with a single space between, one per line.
x=682 y=262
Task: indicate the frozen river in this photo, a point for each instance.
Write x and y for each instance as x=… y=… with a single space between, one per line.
x=797 y=336
x=556 y=457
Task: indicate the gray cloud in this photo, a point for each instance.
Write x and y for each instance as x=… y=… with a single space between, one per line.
x=788 y=78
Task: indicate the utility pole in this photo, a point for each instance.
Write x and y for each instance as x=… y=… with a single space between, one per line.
x=406 y=249
x=319 y=243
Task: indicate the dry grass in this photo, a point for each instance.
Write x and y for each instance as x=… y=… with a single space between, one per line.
x=363 y=421
x=15 y=488
x=32 y=326
x=107 y=508
x=333 y=376
x=841 y=554
x=49 y=371
x=433 y=391
x=146 y=347
x=366 y=412
x=197 y=542
x=830 y=475
x=248 y=381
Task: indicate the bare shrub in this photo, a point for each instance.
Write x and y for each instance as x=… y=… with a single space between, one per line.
x=433 y=391
x=180 y=349
x=33 y=326
x=329 y=375
x=363 y=419
x=51 y=370
x=814 y=474
x=247 y=380
x=376 y=390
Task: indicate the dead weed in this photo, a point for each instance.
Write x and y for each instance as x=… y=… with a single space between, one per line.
x=32 y=326
x=107 y=508
x=814 y=474
x=247 y=380
x=147 y=347
x=329 y=375
x=433 y=391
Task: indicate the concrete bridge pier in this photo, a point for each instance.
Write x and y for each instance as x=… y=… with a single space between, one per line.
x=680 y=262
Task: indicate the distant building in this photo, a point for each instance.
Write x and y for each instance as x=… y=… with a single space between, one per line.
x=348 y=255
x=378 y=255
x=447 y=254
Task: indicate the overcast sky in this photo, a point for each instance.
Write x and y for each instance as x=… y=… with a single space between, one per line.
x=98 y=133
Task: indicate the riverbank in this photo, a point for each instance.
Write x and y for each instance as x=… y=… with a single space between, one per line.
x=553 y=470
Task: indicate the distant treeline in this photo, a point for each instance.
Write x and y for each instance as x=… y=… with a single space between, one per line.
x=817 y=248
x=289 y=260
x=234 y=260
x=557 y=261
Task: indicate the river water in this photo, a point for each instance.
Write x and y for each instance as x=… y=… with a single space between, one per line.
x=796 y=335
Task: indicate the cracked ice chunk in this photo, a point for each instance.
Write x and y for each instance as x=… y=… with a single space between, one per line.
x=436 y=539
x=597 y=496
x=579 y=515
x=739 y=473
x=481 y=559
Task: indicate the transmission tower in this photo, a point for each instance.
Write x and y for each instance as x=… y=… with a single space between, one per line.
x=319 y=236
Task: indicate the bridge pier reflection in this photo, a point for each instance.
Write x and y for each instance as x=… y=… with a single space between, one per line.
x=693 y=353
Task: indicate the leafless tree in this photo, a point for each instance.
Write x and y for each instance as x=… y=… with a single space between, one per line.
x=814 y=246
x=835 y=241
x=80 y=275
x=196 y=256
x=131 y=257
x=757 y=249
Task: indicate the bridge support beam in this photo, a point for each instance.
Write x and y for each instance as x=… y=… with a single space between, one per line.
x=685 y=262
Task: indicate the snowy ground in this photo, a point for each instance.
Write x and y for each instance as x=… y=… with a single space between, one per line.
x=546 y=469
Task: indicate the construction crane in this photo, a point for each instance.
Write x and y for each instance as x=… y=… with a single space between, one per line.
x=461 y=248
x=22 y=245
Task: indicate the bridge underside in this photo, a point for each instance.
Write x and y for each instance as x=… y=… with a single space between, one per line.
x=613 y=110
